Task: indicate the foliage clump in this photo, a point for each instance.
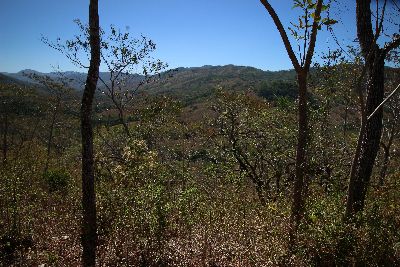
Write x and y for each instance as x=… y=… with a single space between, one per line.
x=57 y=180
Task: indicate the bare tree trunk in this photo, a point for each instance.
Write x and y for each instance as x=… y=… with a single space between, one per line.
x=89 y=226
x=369 y=140
x=299 y=184
x=302 y=69
x=371 y=128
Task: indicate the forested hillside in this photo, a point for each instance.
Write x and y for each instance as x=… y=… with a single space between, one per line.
x=201 y=180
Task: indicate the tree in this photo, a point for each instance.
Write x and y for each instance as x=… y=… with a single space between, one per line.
x=59 y=93
x=371 y=116
x=258 y=137
x=311 y=11
x=123 y=56
x=89 y=226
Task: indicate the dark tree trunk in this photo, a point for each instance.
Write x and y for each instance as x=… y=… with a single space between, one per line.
x=299 y=183
x=89 y=235
x=371 y=129
x=369 y=141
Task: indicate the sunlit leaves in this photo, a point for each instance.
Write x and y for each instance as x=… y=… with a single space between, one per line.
x=302 y=29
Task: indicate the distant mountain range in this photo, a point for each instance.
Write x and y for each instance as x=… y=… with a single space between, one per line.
x=75 y=80
x=188 y=84
x=8 y=78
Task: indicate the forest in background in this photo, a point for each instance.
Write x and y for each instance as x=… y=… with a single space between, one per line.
x=199 y=166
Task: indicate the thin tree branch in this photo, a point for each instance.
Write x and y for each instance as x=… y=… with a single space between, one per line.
x=313 y=38
x=380 y=26
x=283 y=34
x=383 y=102
x=392 y=45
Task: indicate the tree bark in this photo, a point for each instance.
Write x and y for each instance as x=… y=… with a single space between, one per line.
x=371 y=127
x=298 y=190
x=89 y=226
x=369 y=139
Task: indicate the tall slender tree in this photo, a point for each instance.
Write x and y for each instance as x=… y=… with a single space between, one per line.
x=371 y=111
x=302 y=68
x=89 y=235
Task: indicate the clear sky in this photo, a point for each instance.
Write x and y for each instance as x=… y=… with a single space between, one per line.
x=187 y=32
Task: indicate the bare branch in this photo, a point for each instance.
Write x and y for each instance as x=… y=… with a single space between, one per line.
x=313 y=38
x=283 y=34
x=380 y=26
x=392 y=45
x=383 y=102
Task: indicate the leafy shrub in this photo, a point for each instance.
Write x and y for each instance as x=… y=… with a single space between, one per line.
x=57 y=180
x=371 y=240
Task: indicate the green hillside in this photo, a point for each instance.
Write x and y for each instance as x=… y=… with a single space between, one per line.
x=194 y=84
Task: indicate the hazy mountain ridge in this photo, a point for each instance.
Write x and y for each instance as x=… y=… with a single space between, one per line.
x=188 y=84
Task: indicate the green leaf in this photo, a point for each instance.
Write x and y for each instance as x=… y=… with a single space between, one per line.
x=329 y=22
x=312 y=6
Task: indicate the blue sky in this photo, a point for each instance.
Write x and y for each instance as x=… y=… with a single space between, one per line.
x=187 y=32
